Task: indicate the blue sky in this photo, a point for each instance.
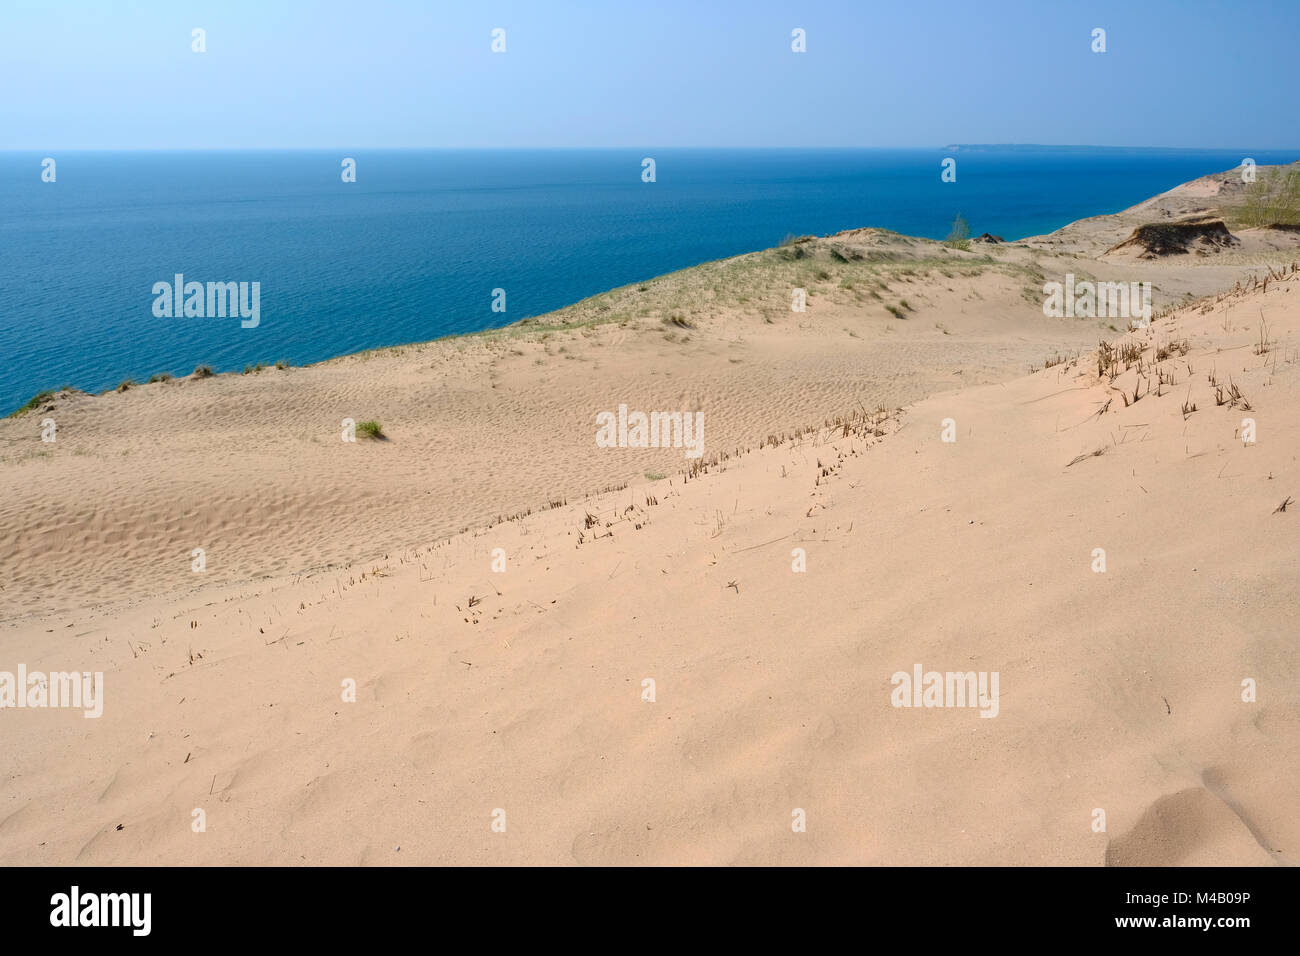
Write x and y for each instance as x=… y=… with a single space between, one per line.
x=120 y=74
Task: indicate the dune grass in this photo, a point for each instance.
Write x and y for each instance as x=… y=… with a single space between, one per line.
x=1273 y=199
x=37 y=400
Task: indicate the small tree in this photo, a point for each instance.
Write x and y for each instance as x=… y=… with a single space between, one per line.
x=959 y=235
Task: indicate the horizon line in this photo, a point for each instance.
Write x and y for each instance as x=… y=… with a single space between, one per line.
x=946 y=146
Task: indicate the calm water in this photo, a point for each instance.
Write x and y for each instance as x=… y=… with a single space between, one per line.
x=414 y=248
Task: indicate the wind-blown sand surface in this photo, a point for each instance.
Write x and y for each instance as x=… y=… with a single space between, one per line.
x=1120 y=691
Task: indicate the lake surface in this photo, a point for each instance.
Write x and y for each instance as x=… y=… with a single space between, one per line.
x=415 y=247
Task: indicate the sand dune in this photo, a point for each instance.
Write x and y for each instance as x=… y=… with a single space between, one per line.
x=523 y=690
x=252 y=468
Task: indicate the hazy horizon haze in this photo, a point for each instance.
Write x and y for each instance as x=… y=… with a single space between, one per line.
x=80 y=75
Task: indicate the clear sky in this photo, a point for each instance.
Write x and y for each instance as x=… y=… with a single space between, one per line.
x=628 y=73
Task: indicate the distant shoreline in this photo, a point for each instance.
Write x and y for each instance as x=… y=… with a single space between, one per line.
x=346 y=148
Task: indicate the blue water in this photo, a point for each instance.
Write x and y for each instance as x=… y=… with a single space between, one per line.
x=414 y=248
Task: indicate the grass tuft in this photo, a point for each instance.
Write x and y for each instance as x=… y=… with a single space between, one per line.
x=39 y=399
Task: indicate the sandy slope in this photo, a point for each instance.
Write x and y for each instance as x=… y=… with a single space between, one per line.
x=522 y=690
x=252 y=468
